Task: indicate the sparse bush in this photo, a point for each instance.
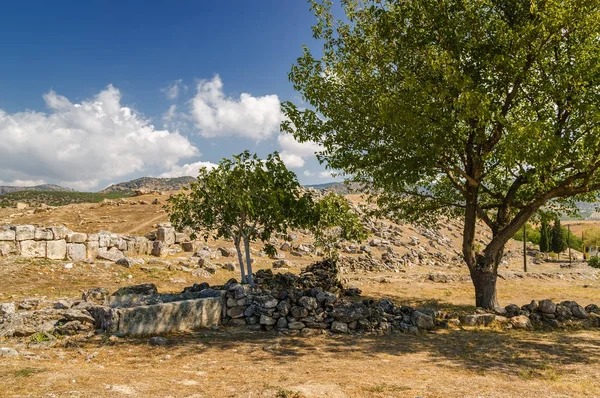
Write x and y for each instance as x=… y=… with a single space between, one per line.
x=594 y=262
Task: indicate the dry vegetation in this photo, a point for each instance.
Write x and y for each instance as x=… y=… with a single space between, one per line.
x=231 y=362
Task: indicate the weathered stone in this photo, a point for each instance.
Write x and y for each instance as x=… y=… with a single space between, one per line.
x=43 y=234
x=24 y=232
x=299 y=312
x=145 y=289
x=282 y=264
x=103 y=239
x=7 y=248
x=56 y=249
x=160 y=249
x=180 y=237
x=563 y=312
x=32 y=248
x=547 y=307
x=578 y=311
x=339 y=327
x=478 y=319
x=129 y=262
x=189 y=247
x=236 y=312
x=227 y=252
x=7 y=308
x=158 y=341
x=386 y=306
x=521 y=322
x=169 y=317
x=76 y=251
x=296 y=325
x=282 y=323
x=95 y=295
x=267 y=320
x=230 y=266
x=350 y=312
x=422 y=321
x=201 y=273
x=7 y=234
x=8 y=352
x=76 y=237
x=166 y=235
x=76 y=315
x=310 y=303
x=283 y=308
x=113 y=254
x=326 y=298
x=231 y=302
x=592 y=308
x=60 y=232
x=62 y=305
x=92 y=248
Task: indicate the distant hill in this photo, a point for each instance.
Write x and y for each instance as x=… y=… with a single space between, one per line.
x=55 y=198
x=4 y=189
x=150 y=184
x=337 y=187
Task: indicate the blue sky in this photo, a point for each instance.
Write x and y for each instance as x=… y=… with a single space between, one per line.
x=98 y=92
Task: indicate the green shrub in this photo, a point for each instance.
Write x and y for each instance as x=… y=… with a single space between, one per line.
x=594 y=262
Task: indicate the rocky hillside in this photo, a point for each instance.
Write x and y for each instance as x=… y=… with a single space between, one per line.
x=150 y=184
x=4 y=189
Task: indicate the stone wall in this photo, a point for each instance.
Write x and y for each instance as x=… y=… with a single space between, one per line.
x=61 y=243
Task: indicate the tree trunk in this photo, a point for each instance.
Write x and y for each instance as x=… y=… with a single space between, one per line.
x=484 y=276
x=240 y=259
x=248 y=261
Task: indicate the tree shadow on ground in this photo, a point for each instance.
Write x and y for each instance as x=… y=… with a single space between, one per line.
x=506 y=352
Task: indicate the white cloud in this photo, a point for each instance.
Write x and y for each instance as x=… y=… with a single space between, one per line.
x=22 y=183
x=81 y=144
x=170 y=114
x=172 y=90
x=294 y=152
x=190 y=169
x=292 y=161
x=321 y=174
x=215 y=114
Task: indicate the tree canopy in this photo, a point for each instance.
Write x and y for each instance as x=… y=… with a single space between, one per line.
x=244 y=198
x=489 y=109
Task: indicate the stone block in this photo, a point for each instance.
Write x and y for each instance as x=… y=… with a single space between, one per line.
x=32 y=248
x=76 y=237
x=60 y=232
x=7 y=234
x=166 y=235
x=103 y=240
x=189 y=247
x=170 y=317
x=180 y=237
x=43 y=234
x=7 y=248
x=113 y=254
x=92 y=248
x=56 y=249
x=160 y=249
x=24 y=232
x=76 y=251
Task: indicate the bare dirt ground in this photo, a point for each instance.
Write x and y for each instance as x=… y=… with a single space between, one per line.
x=230 y=362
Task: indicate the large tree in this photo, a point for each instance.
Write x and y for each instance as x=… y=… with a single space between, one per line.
x=244 y=198
x=487 y=109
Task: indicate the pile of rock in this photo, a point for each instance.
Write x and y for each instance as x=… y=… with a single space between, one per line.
x=544 y=312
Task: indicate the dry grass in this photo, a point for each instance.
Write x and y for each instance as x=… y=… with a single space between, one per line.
x=234 y=363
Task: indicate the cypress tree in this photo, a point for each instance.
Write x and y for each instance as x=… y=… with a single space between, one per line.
x=544 y=237
x=559 y=243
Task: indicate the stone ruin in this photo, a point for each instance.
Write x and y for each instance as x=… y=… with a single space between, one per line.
x=60 y=243
x=314 y=301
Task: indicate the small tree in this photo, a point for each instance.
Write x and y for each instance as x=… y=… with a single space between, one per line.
x=334 y=221
x=559 y=243
x=545 y=237
x=244 y=198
